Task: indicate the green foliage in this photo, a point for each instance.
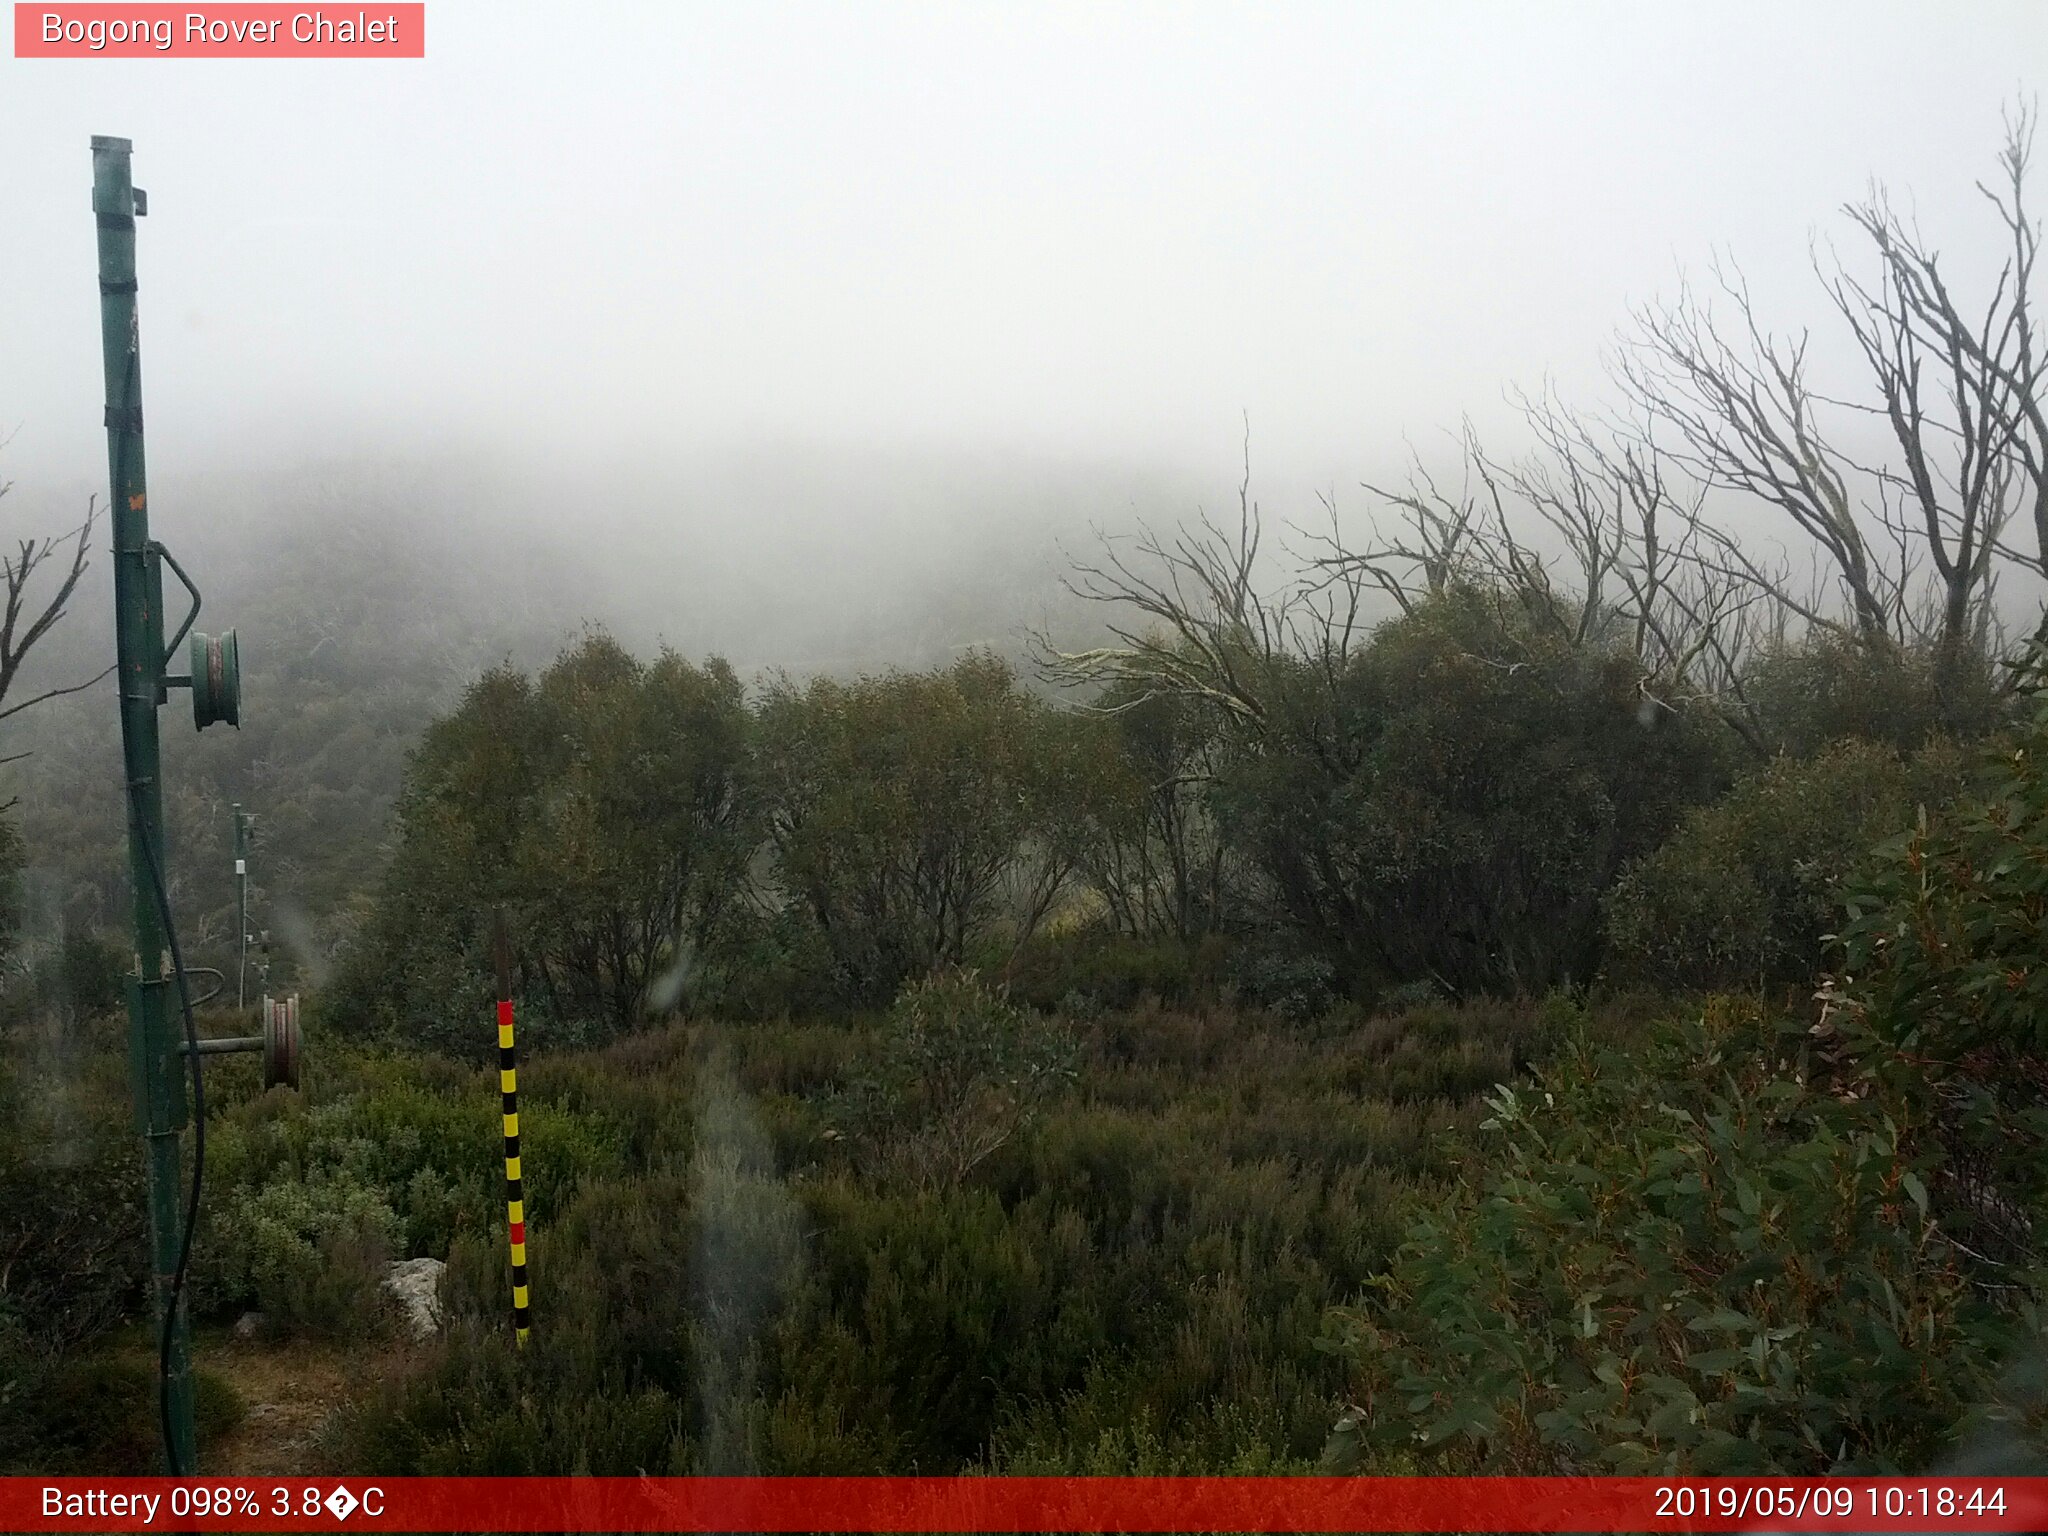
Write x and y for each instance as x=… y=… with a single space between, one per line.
x=1150 y=845
x=1148 y=1269
x=1744 y=892
x=72 y=1239
x=959 y=1071
x=424 y=1146
x=601 y=804
x=1088 y=971
x=910 y=821
x=1829 y=687
x=309 y=1256
x=1708 y=1254
x=1294 y=985
x=13 y=857
x=1944 y=966
x=918 y=818
x=1454 y=797
x=1945 y=939
x=92 y=973
x=767 y=960
x=1448 y=800
x=98 y=1415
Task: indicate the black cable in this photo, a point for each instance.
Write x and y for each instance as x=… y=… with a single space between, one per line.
x=163 y=1356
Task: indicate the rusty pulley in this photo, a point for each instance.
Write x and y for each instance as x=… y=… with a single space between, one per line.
x=216 y=680
x=281 y=1041
x=278 y=1044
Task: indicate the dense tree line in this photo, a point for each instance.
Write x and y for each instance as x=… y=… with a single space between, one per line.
x=1412 y=814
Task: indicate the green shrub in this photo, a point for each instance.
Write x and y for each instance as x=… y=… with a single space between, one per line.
x=600 y=804
x=1710 y=1254
x=763 y=964
x=1149 y=849
x=917 y=818
x=425 y=1137
x=72 y=1237
x=1830 y=687
x=1092 y=971
x=98 y=1414
x=26 y=1361
x=740 y=1290
x=1943 y=995
x=1296 y=986
x=13 y=859
x=309 y=1256
x=1944 y=940
x=94 y=972
x=1744 y=892
x=960 y=1070
x=1452 y=799
x=1072 y=1440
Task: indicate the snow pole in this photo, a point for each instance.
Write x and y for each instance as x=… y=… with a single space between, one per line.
x=508 y=1086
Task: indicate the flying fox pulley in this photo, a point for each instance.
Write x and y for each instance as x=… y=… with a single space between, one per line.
x=278 y=1044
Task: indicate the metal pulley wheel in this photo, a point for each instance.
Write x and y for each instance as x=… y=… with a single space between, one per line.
x=216 y=680
x=281 y=1041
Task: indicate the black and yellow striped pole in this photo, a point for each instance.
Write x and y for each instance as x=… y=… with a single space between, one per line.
x=508 y=1086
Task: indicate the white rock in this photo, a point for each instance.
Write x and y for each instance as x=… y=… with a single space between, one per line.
x=417 y=1285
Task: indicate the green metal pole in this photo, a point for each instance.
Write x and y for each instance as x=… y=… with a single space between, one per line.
x=139 y=621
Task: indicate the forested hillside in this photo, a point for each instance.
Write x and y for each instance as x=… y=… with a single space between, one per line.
x=367 y=597
x=353 y=633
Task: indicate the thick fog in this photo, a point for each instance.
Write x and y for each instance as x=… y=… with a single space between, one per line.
x=787 y=314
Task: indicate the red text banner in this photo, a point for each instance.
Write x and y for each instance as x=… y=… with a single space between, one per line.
x=992 y=1504
x=228 y=31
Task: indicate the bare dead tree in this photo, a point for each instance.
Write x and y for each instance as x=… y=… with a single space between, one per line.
x=1604 y=534
x=1571 y=487
x=1635 y=528
x=1438 y=546
x=1961 y=391
x=1640 y=566
x=1201 y=622
x=27 y=618
x=1910 y=547
x=1203 y=627
x=1464 y=540
x=1746 y=420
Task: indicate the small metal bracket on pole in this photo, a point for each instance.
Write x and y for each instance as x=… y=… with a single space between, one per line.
x=242 y=823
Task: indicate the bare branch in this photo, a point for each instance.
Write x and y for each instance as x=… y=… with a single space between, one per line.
x=22 y=625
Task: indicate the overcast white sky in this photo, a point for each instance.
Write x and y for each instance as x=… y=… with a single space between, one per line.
x=1095 y=231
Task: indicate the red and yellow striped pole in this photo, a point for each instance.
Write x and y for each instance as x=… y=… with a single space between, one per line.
x=508 y=1086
